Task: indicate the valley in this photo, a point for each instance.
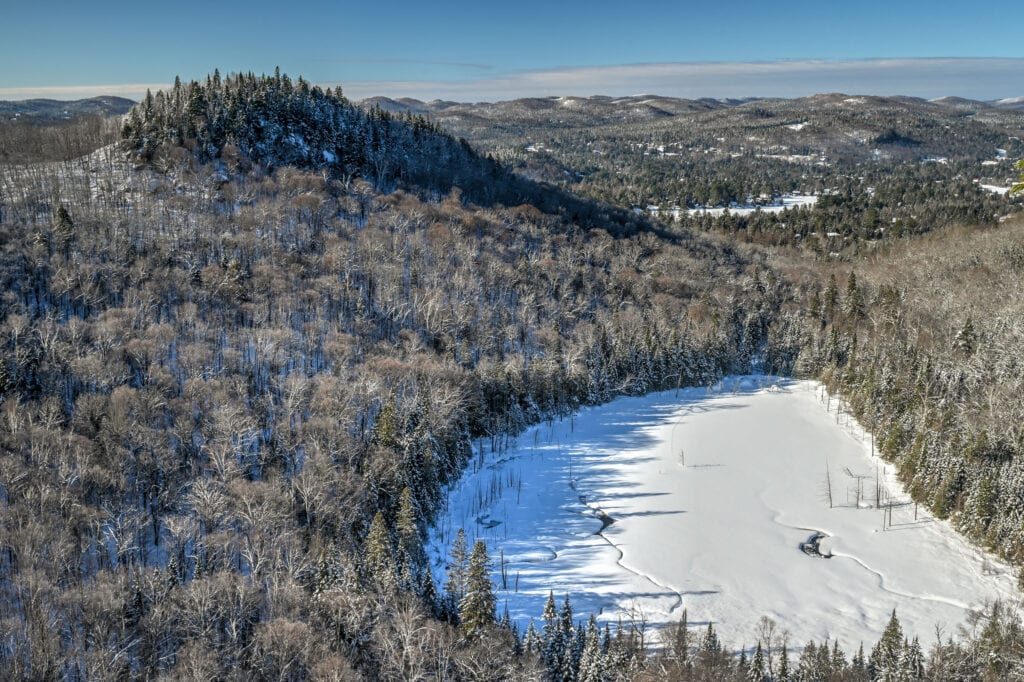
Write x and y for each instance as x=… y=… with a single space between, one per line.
x=264 y=351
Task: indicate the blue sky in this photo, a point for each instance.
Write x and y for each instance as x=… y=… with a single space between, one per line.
x=483 y=50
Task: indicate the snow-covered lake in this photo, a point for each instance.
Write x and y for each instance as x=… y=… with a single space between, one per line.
x=700 y=499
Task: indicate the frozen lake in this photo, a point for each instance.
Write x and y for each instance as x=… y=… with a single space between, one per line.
x=701 y=499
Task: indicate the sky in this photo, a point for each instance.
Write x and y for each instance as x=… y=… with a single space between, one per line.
x=479 y=50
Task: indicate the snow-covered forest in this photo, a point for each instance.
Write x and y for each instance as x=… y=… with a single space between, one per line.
x=245 y=351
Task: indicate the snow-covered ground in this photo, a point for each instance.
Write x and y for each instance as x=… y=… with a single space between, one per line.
x=788 y=201
x=995 y=189
x=700 y=499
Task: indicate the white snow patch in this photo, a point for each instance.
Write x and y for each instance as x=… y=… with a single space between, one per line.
x=787 y=201
x=712 y=491
x=995 y=189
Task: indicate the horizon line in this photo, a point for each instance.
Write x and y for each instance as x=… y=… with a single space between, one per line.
x=985 y=79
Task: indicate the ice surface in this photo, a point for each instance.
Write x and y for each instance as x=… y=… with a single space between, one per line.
x=701 y=498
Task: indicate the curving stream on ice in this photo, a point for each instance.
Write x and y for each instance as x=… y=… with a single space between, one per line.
x=717 y=500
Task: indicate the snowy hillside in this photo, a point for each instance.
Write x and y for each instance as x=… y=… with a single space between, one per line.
x=715 y=500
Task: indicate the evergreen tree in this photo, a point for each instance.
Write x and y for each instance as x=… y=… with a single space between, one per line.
x=574 y=653
x=411 y=557
x=326 y=574
x=756 y=671
x=566 y=642
x=858 y=664
x=476 y=609
x=838 y=662
x=379 y=556
x=886 y=662
x=831 y=297
x=428 y=592
x=455 y=587
x=807 y=668
x=532 y=641
x=853 y=303
x=591 y=667
x=967 y=338
x=680 y=642
x=710 y=654
x=913 y=660
x=386 y=426
x=783 y=674
x=554 y=645
x=63 y=229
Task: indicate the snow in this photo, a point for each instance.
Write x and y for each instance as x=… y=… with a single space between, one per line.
x=995 y=189
x=700 y=499
x=789 y=201
x=797 y=126
x=817 y=159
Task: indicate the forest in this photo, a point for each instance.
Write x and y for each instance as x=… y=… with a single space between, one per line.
x=249 y=336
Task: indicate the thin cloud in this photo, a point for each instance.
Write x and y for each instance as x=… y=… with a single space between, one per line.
x=135 y=91
x=396 y=61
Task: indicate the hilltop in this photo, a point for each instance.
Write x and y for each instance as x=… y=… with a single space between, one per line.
x=51 y=110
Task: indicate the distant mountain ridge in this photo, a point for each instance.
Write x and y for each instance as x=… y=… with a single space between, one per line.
x=49 y=110
x=567 y=109
x=634 y=107
x=835 y=126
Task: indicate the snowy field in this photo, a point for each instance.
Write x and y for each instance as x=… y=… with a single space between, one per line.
x=702 y=499
x=787 y=202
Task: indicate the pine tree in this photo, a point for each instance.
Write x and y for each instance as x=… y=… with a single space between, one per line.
x=913 y=660
x=853 y=303
x=710 y=649
x=554 y=646
x=566 y=641
x=887 y=655
x=838 y=658
x=681 y=639
x=531 y=640
x=967 y=338
x=455 y=587
x=326 y=576
x=476 y=610
x=379 y=557
x=411 y=556
x=63 y=229
x=386 y=427
x=756 y=671
x=831 y=297
x=807 y=668
x=573 y=653
x=858 y=665
x=428 y=592
x=783 y=675
x=591 y=667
